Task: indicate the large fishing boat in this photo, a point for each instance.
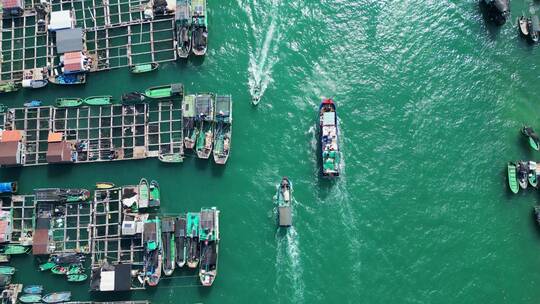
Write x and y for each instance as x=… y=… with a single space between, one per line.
x=329 y=137
x=283 y=201
x=189 y=122
x=152 y=252
x=209 y=238
x=180 y=240
x=204 y=107
x=192 y=232
x=183 y=28
x=199 y=27
x=222 y=137
x=169 y=246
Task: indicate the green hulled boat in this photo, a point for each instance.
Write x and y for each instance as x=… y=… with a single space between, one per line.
x=46 y=266
x=143 y=67
x=171 y=158
x=532 y=177
x=74 y=269
x=79 y=277
x=205 y=109
x=167 y=235
x=533 y=139
x=7 y=270
x=59 y=269
x=512 y=178
x=30 y=298
x=222 y=137
x=165 y=91
x=154 y=199
x=98 y=100
x=15 y=249
x=144 y=193
x=188 y=121
x=10 y=86
x=192 y=233
x=68 y=102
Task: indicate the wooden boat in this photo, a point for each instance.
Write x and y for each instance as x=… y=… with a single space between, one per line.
x=34 y=83
x=33 y=104
x=68 y=79
x=33 y=289
x=104 y=185
x=8 y=187
x=46 y=266
x=58 y=269
x=533 y=139
x=133 y=98
x=78 y=277
x=144 y=193
x=154 y=199
x=152 y=252
x=57 y=297
x=189 y=121
x=523 y=25
x=30 y=298
x=283 y=201
x=209 y=238
x=7 y=270
x=143 y=67
x=98 y=100
x=223 y=133
x=15 y=249
x=171 y=158
x=180 y=241
x=533 y=175
x=169 y=248
x=183 y=28
x=199 y=25
x=68 y=102
x=165 y=91
x=522 y=174
x=9 y=86
x=205 y=108
x=192 y=232
x=329 y=139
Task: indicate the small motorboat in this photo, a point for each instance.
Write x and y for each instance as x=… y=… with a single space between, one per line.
x=77 y=277
x=34 y=83
x=33 y=289
x=15 y=249
x=69 y=79
x=30 y=298
x=256 y=98
x=57 y=297
x=133 y=97
x=104 y=185
x=7 y=270
x=33 y=104
x=171 y=158
x=46 y=266
x=154 y=200
x=8 y=187
x=534 y=140
x=165 y=91
x=58 y=269
x=98 y=100
x=143 y=67
x=68 y=102
x=8 y=87
x=523 y=174
x=523 y=25
x=533 y=175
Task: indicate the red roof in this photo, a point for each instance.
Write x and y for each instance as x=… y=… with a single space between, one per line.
x=73 y=62
x=12 y=3
x=11 y=135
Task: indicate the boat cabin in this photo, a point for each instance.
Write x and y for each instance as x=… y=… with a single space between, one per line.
x=133 y=224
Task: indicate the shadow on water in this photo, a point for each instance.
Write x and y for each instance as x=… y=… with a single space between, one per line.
x=493 y=20
x=197 y=60
x=11 y=174
x=201 y=164
x=217 y=170
x=59 y=170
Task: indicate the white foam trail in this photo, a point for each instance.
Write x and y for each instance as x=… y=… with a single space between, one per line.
x=289 y=265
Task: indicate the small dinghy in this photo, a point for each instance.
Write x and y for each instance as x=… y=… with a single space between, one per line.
x=57 y=297
x=171 y=158
x=523 y=174
x=534 y=140
x=30 y=298
x=68 y=102
x=15 y=249
x=143 y=67
x=33 y=289
x=78 y=277
x=98 y=100
x=104 y=185
x=61 y=270
x=7 y=270
x=533 y=177
x=33 y=104
x=133 y=97
x=523 y=25
x=512 y=178
x=46 y=266
x=34 y=84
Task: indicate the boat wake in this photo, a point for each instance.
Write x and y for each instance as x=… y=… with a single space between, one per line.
x=289 y=266
x=263 y=54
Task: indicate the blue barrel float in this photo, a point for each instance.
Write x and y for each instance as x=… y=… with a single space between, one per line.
x=8 y=187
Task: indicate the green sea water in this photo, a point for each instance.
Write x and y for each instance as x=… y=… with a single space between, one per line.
x=430 y=100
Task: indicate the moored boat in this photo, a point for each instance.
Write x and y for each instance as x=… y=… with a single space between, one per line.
x=223 y=134
x=143 y=67
x=168 y=238
x=8 y=187
x=192 y=232
x=283 y=201
x=59 y=269
x=523 y=25
x=189 y=121
x=205 y=109
x=522 y=174
x=30 y=298
x=77 y=277
x=533 y=139
x=171 y=158
x=9 y=86
x=199 y=23
x=7 y=270
x=104 y=185
x=165 y=91
x=209 y=238
x=33 y=289
x=76 y=195
x=329 y=139
x=98 y=100
x=68 y=102
x=154 y=194
x=534 y=28
x=68 y=79
x=133 y=97
x=183 y=28
x=499 y=10
x=57 y=297
x=144 y=193
x=33 y=104
x=46 y=266
x=180 y=240
x=34 y=83
x=15 y=249
x=152 y=252
x=533 y=175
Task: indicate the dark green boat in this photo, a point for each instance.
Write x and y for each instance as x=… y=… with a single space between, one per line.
x=68 y=102
x=512 y=178
x=143 y=67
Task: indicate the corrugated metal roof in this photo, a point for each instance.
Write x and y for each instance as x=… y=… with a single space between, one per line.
x=73 y=62
x=55 y=137
x=69 y=40
x=11 y=135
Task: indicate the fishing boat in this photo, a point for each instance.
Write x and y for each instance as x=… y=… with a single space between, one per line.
x=9 y=86
x=7 y=270
x=534 y=28
x=165 y=91
x=523 y=25
x=15 y=249
x=180 y=241
x=183 y=28
x=171 y=158
x=133 y=98
x=74 y=269
x=256 y=98
x=33 y=289
x=205 y=109
x=533 y=139
x=152 y=253
x=199 y=25
x=30 y=298
x=57 y=297
x=58 y=269
x=68 y=79
x=169 y=248
x=209 y=238
x=533 y=175
x=46 y=266
x=8 y=187
x=192 y=231
x=144 y=193
x=283 y=201
x=154 y=199
x=68 y=102
x=33 y=104
x=143 y=67
x=329 y=138
x=222 y=137
x=104 y=185
x=98 y=100
x=189 y=121
x=34 y=83
x=78 y=277
x=522 y=174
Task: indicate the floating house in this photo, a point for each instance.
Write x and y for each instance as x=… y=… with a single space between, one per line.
x=74 y=62
x=58 y=150
x=12 y=8
x=69 y=40
x=11 y=148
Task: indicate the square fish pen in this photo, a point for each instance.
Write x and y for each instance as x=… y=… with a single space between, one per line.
x=22 y=211
x=165 y=129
